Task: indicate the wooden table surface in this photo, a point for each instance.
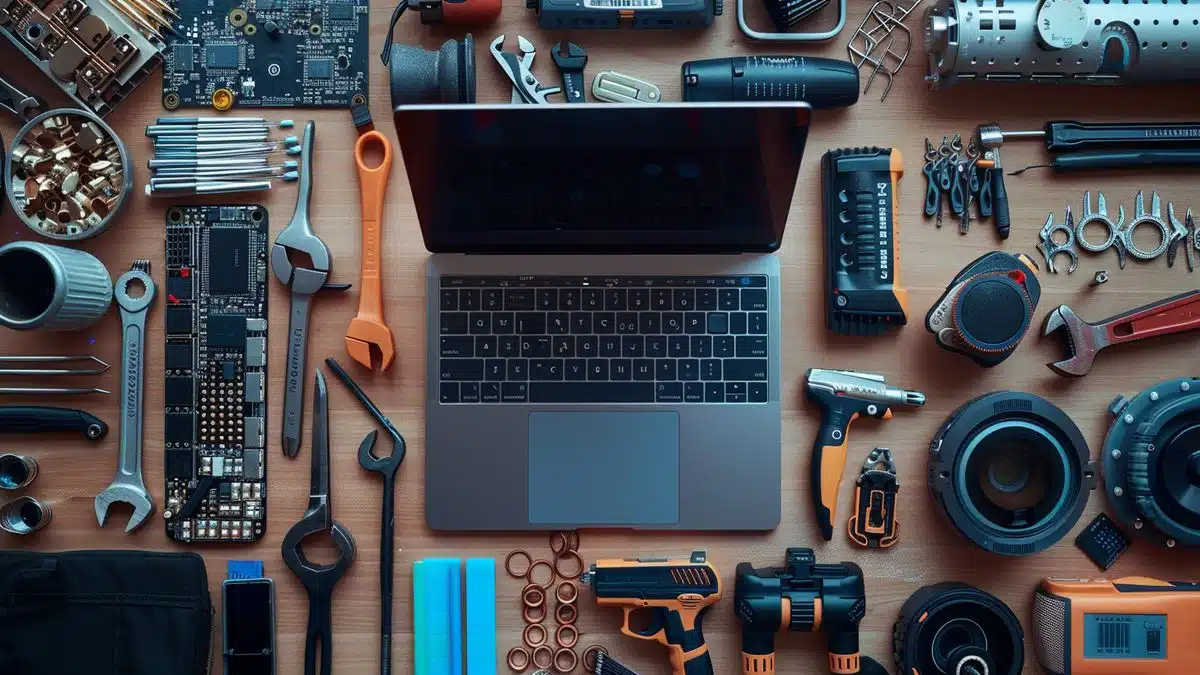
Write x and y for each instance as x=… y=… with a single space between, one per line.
x=929 y=551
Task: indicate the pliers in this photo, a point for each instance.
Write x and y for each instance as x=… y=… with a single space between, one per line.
x=518 y=68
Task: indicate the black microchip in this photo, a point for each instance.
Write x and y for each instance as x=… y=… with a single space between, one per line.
x=229 y=264
x=319 y=69
x=1102 y=542
x=179 y=463
x=184 y=56
x=227 y=331
x=229 y=370
x=221 y=56
x=179 y=321
x=179 y=287
x=179 y=356
x=180 y=392
x=226 y=490
x=340 y=11
x=178 y=428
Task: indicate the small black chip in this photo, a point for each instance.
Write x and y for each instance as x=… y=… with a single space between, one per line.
x=179 y=356
x=179 y=463
x=221 y=57
x=319 y=69
x=184 y=57
x=340 y=11
x=178 y=428
x=227 y=331
x=229 y=266
x=229 y=370
x=180 y=392
x=179 y=321
x=226 y=490
x=1102 y=542
x=179 y=288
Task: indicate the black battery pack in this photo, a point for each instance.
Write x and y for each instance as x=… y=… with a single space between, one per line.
x=563 y=14
x=863 y=294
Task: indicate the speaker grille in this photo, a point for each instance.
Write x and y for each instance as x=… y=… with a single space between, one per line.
x=1050 y=632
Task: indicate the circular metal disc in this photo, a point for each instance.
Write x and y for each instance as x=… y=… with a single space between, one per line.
x=1062 y=24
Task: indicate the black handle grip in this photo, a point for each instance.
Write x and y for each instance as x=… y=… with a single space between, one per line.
x=933 y=195
x=32 y=420
x=985 y=194
x=958 y=197
x=1125 y=159
x=701 y=665
x=821 y=82
x=1000 y=203
x=1071 y=135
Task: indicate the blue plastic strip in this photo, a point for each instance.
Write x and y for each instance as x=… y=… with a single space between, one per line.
x=437 y=617
x=420 y=633
x=244 y=569
x=481 y=616
x=455 y=598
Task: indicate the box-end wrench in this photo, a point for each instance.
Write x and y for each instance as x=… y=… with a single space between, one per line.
x=128 y=486
x=368 y=333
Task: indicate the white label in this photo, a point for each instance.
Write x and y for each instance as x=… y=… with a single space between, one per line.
x=623 y=4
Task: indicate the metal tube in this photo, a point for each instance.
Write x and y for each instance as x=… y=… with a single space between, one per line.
x=184 y=173
x=241 y=161
x=168 y=130
x=16 y=471
x=195 y=188
x=210 y=139
x=219 y=150
x=211 y=120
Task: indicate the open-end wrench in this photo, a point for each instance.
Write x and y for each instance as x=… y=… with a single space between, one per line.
x=18 y=102
x=368 y=332
x=128 y=486
x=571 y=59
x=1083 y=340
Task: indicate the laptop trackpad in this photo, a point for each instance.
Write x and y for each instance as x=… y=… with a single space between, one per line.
x=604 y=468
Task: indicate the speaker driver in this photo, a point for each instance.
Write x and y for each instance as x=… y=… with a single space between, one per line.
x=956 y=629
x=1011 y=472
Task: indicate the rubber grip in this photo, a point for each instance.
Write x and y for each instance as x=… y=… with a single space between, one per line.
x=1000 y=203
x=758 y=664
x=985 y=194
x=698 y=664
x=933 y=196
x=828 y=463
x=1071 y=135
x=958 y=198
x=1124 y=159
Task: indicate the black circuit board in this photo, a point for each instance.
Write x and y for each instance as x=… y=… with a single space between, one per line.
x=216 y=370
x=268 y=53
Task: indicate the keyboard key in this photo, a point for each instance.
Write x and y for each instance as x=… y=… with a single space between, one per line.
x=694 y=323
x=518 y=369
x=568 y=299
x=620 y=369
x=453 y=323
x=494 y=370
x=639 y=299
x=449 y=392
x=558 y=323
x=591 y=392
x=745 y=369
x=485 y=346
x=660 y=299
x=664 y=369
x=480 y=323
x=468 y=300
x=754 y=299
x=723 y=346
x=693 y=392
x=597 y=369
x=643 y=370
x=684 y=299
x=614 y=299
x=461 y=369
x=610 y=346
x=689 y=370
x=656 y=346
x=758 y=392
x=727 y=299
x=585 y=346
x=510 y=346
x=718 y=323
x=706 y=299
x=537 y=347
x=701 y=346
x=605 y=322
x=593 y=299
x=668 y=392
x=449 y=299
x=714 y=392
x=627 y=323
x=518 y=299
x=490 y=392
x=581 y=323
x=564 y=347
x=672 y=322
x=546 y=369
x=649 y=323
x=735 y=392
x=493 y=299
x=458 y=346
x=469 y=392
x=633 y=346
x=757 y=323
x=710 y=369
x=737 y=323
x=514 y=392
x=547 y=300
x=575 y=369
x=677 y=346
x=531 y=323
x=502 y=323
x=749 y=346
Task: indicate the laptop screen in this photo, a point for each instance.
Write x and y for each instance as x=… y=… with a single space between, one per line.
x=666 y=178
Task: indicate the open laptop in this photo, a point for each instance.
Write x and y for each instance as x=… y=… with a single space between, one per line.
x=604 y=311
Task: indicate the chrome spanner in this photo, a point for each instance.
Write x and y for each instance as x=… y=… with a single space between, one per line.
x=128 y=487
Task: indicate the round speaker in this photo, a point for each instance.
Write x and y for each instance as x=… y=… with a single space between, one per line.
x=956 y=629
x=1011 y=472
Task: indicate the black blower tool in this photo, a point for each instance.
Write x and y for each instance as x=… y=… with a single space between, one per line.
x=822 y=83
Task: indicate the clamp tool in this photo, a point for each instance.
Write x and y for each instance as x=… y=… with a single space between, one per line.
x=874 y=523
x=319 y=579
x=526 y=88
x=571 y=59
x=19 y=103
x=386 y=467
x=304 y=283
x=368 y=330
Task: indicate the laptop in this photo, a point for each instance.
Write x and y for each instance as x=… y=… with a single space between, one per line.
x=603 y=311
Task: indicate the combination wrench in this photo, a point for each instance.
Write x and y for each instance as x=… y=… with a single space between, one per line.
x=128 y=487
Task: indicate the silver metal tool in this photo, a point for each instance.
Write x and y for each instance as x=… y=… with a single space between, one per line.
x=518 y=68
x=1188 y=250
x=16 y=471
x=1100 y=278
x=52 y=391
x=1051 y=248
x=1143 y=217
x=1179 y=235
x=24 y=515
x=24 y=106
x=176 y=189
x=51 y=287
x=1100 y=215
x=874 y=42
x=614 y=87
x=100 y=366
x=128 y=487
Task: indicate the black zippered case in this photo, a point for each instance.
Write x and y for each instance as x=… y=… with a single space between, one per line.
x=104 y=613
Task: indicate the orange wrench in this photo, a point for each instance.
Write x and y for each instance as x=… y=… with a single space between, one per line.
x=368 y=329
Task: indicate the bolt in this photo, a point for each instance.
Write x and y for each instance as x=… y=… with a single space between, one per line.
x=1100 y=278
x=1154 y=396
x=1118 y=491
x=842 y=301
x=1150 y=448
x=1170 y=543
x=872 y=409
x=1184 y=386
x=1129 y=419
x=1116 y=454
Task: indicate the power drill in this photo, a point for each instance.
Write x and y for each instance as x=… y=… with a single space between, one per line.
x=801 y=597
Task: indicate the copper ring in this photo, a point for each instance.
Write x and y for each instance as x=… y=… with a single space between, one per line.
x=568 y=555
x=527 y=635
x=572 y=590
x=533 y=596
x=589 y=657
x=560 y=542
x=572 y=660
x=546 y=662
x=567 y=608
x=518 y=659
x=531 y=615
x=569 y=629
x=508 y=563
x=534 y=565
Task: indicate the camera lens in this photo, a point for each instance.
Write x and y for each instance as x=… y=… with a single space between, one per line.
x=1011 y=472
x=956 y=629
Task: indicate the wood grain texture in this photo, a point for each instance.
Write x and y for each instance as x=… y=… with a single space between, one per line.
x=929 y=552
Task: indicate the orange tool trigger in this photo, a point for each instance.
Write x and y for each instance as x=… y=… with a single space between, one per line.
x=368 y=329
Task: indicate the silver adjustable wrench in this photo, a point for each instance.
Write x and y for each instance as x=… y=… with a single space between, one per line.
x=128 y=486
x=17 y=102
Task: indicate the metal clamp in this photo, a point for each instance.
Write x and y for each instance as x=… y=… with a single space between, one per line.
x=1051 y=248
x=1142 y=217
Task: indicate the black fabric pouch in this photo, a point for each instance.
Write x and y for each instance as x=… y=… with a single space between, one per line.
x=104 y=613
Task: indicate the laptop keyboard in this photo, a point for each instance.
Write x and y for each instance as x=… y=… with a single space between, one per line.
x=603 y=339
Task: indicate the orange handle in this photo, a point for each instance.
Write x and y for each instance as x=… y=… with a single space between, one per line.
x=373 y=184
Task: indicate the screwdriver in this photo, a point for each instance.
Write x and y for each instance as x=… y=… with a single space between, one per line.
x=1117 y=159
x=1062 y=135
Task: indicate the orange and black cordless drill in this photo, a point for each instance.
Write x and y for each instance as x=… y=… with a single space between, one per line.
x=802 y=597
x=677 y=594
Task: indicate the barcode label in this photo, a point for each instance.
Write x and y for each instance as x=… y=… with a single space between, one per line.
x=1113 y=637
x=623 y=4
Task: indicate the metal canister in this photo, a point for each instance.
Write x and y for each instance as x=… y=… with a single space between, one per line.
x=24 y=515
x=51 y=287
x=16 y=471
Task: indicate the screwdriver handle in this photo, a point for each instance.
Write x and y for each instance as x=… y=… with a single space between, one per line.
x=1071 y=135
x=1000 y=203
x=1125 y=159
